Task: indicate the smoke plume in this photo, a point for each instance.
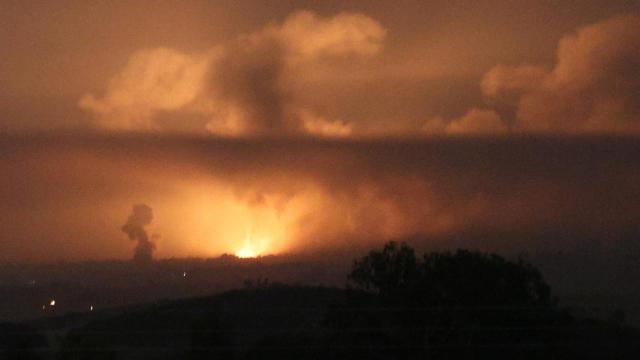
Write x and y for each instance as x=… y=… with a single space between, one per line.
x=244 y=87
x=140 y=217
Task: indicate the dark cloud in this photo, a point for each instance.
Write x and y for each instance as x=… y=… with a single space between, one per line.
x=250 y=78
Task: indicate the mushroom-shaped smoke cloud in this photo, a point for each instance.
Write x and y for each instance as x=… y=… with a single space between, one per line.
x=140 y=217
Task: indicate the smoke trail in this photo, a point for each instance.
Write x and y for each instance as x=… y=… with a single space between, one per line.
x=140 y=217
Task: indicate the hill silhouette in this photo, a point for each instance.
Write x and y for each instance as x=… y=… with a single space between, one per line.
x=443 y=305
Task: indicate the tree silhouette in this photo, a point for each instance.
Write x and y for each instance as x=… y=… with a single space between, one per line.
x=467 y=278
x=461 y=278
x=386 y=271
x=447 y=304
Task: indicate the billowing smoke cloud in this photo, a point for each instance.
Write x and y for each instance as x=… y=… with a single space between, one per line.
x=253 y=86
x=140 y=217
x=594 y=87
x=241 y=88
x=153 y=81
x=474 y=122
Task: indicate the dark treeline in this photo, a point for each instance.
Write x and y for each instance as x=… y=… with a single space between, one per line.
x=398 y=305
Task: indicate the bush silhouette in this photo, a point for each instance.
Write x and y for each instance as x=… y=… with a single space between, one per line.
x=462 y=278
x=447 y=304
x=388 y=271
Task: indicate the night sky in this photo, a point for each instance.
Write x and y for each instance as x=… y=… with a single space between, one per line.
x=254 y=127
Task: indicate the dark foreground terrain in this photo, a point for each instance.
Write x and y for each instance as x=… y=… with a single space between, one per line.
x=285 y=322
x=27 y=290
x=461 y=305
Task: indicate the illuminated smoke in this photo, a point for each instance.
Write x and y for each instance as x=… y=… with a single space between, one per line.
x=141 y=216
x=243 y=88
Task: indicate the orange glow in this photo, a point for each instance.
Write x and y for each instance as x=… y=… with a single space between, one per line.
x=254 y=247
x=246 y=252
x=217 y=219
